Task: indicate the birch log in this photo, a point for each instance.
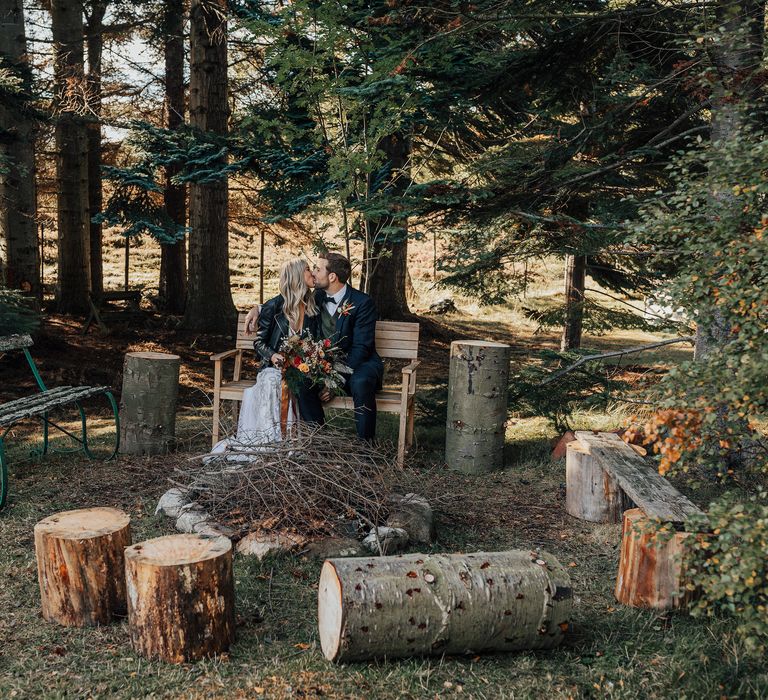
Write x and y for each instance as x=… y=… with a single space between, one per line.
x=80 y=565
x=181 y=597
x=651 y=569
x=441 y=604
x=591 y=493
x=148 y=403
x=477 y=405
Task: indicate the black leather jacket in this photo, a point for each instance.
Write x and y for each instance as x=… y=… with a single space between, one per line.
x=274 y=327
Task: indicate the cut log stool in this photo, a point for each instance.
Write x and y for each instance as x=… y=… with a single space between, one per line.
x=80 y=565
x=423 y=604
x=651 y=568
x=148 y=403
x=478 y=386
x=181 y=597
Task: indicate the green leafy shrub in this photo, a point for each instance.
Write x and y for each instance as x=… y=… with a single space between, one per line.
x=729 y=565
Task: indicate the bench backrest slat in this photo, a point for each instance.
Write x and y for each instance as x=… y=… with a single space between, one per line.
x=647 y=489
x=394 y=339
x=15 y=342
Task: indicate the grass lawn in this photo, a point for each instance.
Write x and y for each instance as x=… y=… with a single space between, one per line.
x=612 y=651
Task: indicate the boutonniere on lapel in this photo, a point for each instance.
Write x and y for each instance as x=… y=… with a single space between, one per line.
x=345 y=308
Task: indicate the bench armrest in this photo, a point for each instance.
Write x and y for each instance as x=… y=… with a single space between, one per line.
x=224 y=355
x=411 y=368
x=409 y=376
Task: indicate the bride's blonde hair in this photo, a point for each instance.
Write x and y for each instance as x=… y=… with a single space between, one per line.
x=295 y=291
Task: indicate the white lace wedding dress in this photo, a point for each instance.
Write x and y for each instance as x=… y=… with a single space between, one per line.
x=259 y=421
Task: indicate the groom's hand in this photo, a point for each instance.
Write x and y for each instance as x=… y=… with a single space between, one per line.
x=252 y=320
x=325 y=395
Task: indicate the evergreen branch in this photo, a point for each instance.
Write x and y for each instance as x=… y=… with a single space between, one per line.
x=615 y=353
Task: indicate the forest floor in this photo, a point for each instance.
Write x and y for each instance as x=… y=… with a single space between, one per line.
x=612 y=651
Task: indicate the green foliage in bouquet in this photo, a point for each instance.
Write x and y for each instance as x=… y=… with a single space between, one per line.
x=314 y=363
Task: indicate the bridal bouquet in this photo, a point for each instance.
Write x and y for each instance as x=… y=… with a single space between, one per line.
x=314 y=360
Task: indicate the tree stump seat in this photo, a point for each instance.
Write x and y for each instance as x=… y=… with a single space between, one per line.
x=608 y=482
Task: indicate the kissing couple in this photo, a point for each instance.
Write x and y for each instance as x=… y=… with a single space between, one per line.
x=318 y=303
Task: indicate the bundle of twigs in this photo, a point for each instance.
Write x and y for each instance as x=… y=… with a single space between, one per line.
x=307 y=483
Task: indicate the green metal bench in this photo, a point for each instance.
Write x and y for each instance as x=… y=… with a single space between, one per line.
x=40 y=404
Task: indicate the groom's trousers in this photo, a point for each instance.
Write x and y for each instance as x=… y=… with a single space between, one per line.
x=361 y=385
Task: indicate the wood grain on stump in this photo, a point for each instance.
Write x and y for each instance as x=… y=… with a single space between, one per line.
x=478 y=385
x=651 y=568
x=441 y=604
x=148 y=403
x=80 y=565
x=181 y=597
x=591 y=492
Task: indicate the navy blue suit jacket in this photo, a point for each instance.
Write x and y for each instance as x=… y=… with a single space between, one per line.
x=356 y=329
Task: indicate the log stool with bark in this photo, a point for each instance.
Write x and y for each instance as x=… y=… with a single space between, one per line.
x=180 y=597
x=604 y=478
x=441 y=604
x=80 y=565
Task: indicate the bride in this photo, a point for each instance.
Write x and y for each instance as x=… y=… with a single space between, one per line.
x=292 y=311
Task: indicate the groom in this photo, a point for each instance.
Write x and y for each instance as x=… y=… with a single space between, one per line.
x=348 y=318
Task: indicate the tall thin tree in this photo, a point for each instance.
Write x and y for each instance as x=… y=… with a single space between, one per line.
x=173 y=257
x=209 y=300
x=19 y=261
x=71 y=157
x=95 y=11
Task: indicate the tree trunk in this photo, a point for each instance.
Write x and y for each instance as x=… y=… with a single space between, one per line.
x=651 y=570
x=19 y=258
x=441 y=604
x=209 y=299
x=387 y=249
x=181 y=597
x=478 y=385
x=575 y=273
x=173 y=258
x=95 y=43
x=148 y=403
x=591 y=494
x=80 y=565
x=71 y=157
x=737 y=56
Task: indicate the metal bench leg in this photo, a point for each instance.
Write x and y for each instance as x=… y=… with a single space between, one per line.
x=83 y=423
x=3 y=472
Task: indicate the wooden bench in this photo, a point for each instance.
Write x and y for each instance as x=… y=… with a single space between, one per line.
x=608 y=482
x=40 y=404
x=101 y=307
x=394 y=340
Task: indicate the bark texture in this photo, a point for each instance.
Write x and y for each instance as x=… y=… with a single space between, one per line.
x=173 y=258
x=148 y=403
x=181 y=597
x=96 y=9
x=478 y=385
x=80 y=565
x=209 y=295
x=575 y=276
x=19 y=257
x=591 y=492
x=650 y=568
x=73 y=219
x=387 y=251
x=423 y=604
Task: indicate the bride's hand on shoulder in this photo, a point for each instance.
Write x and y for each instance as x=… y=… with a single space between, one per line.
x=252 y=320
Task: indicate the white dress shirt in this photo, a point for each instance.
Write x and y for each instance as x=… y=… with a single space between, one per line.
x=332 y=302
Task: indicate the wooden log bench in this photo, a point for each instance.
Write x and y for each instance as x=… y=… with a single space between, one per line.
x=394 y=340
x=608 y=482
x=39 y=405
x=102 y=307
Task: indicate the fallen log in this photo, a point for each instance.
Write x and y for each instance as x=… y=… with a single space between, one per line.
x=180 y=597
x=423 y=604
x=80 y=565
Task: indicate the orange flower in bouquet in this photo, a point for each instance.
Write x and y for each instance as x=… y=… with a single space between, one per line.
x=314 y=361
